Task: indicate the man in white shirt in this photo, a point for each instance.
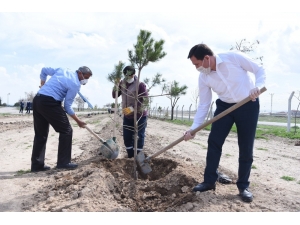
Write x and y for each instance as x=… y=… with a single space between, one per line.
x=227 y=75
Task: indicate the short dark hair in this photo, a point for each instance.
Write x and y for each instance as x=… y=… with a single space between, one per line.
x=128 y=71
x=199 y=51
x=85 y=70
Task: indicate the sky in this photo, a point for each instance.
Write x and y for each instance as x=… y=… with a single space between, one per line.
x=35 y=34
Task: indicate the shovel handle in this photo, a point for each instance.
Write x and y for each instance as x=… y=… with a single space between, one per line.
x=235 y=106
x=93 y=133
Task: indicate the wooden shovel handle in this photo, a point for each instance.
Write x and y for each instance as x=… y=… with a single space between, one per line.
x=235 y=106
x=93 y=133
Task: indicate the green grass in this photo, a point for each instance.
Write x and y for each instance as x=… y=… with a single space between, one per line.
x=94 y=121
x=228 y=155
x=287 y=178
x=274 y=119
x=203 y=146
x=262 y=131
x=263 y=149
x=21 y=172
x=253 y=167
x=298 y=182
x=4 y=114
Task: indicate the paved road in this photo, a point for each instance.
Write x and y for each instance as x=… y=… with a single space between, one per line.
x=14 y=110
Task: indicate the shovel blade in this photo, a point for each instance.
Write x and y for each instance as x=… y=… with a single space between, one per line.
x=110 y=149
x=142 y=164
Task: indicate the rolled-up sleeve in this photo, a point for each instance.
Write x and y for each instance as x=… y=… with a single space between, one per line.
x=45 y=72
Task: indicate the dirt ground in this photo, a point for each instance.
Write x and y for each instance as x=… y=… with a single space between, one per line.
x=102 y=185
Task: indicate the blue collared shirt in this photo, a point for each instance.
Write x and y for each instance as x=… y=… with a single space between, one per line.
x=62 y=86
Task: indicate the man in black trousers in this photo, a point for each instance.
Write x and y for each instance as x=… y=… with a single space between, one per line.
x=228 y=75
x=63 y=86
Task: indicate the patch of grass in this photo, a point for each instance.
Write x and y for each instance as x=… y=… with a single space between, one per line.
x=262 y=131
x=287 y=178
x=21 y=172
x=253 y=184
x=272 y=119
x=4 y=114
x=203 y=146
x=253 y=167
x=263 y=149
x=94 y=121
x=228 y=155
x=298 y=182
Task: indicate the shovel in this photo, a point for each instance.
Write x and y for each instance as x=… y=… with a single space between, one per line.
x=143 y=163
x=109 y=149
x=85 y=100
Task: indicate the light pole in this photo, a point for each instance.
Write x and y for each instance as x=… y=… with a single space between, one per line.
x=271 y=101
x=8 y=99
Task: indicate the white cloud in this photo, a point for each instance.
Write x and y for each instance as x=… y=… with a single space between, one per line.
x=99 y=40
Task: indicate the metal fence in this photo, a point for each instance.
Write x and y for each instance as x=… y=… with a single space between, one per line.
x=180 y=113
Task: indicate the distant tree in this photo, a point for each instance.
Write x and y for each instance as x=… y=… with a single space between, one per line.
x=195 y=97
x=145 y=50
x=247 y=47
x=115 y=78
x=0 y=101
x=79 y=102
x=156 y=80
x=29 y=96
x=175 y=92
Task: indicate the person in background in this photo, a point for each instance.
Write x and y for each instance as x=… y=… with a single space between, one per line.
x=28 y=107
x=21 y=106
x=63 y=86
x=127 y=88
x=227 y=74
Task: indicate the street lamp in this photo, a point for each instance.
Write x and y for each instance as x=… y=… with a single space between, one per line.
x=8 y=99
x=271 y=102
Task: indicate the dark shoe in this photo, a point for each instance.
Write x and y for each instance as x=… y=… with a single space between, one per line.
x=246 y=195
x=204 y=187
x=223 y=178
x=131 y=153
x=40 y=169
x=69 y=166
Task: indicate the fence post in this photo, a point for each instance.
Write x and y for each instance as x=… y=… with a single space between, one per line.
x=190 y=112
x=182 y=113
x=167 y=115
x=289 y=112
x=176 y=111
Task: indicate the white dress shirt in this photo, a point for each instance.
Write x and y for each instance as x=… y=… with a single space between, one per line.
x=231 y=81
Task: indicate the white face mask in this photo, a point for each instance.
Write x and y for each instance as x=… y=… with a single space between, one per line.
x=84 y=81
x=207 y=70
x=130 y=80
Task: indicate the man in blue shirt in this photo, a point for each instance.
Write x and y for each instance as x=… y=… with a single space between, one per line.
x=63 y=86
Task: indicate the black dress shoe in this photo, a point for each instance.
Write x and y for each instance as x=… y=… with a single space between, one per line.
x=246 y=195
x=40 y=169
x=69 y=166
x=223 y=178
x=204 y=187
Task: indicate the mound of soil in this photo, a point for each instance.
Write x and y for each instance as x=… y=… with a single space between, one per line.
x=103 y=185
